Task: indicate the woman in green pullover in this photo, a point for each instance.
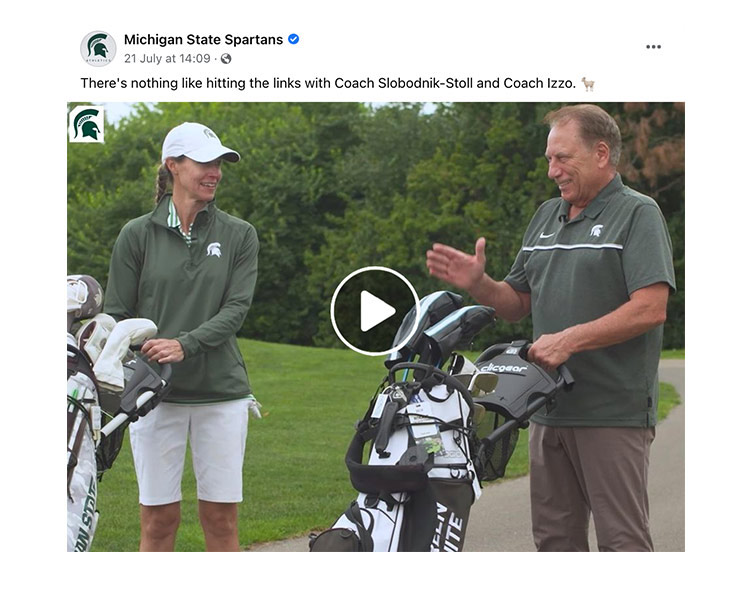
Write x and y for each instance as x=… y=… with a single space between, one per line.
x=191 y=268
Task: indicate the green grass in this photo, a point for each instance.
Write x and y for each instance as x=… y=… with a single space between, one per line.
x=295 y=479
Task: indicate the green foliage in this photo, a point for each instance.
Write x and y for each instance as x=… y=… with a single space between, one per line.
x=331 y=187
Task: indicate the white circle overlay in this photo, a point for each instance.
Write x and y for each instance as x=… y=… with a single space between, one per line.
x=416 y=317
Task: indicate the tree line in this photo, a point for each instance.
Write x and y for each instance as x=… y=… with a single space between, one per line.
x=331 y=187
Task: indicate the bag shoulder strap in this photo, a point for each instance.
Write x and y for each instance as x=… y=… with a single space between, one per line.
x=79 y=361
x=354 y=514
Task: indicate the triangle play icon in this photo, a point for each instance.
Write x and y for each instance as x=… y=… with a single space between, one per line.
x=372 y=311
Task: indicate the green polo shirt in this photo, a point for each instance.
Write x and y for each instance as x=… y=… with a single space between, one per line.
x=580 y=270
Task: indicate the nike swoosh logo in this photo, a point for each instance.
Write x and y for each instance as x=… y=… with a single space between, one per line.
x=546 y=235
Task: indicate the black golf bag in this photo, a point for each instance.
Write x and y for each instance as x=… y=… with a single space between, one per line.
x=434 y=435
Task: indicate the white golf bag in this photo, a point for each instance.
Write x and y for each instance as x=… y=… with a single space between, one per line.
x=107 y=387
x=84 y=425
x=419 y=482
x=434 y=434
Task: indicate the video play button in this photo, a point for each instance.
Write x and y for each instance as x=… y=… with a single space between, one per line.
x=368 y=308
x=372 y=311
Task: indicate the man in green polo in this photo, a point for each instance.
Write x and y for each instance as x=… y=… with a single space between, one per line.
x=594 y=271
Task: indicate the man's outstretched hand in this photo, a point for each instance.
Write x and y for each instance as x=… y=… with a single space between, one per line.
x=456 y=267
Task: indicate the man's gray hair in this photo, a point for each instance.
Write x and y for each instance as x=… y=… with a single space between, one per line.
x=595 y=124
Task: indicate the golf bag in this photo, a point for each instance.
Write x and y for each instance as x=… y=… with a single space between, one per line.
x=419 y=481
x=97 y=419
x=107 y=388
x=84 y=425
x=435 y=436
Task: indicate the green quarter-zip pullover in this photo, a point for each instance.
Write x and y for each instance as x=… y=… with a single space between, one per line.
x=198 y=293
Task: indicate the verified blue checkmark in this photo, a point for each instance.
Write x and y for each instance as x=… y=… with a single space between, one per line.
x=294 y=38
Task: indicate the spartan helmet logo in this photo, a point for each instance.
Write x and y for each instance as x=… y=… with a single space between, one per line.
x=85 y=123
x=597 y=230
x=96 y=46
x=214 y=249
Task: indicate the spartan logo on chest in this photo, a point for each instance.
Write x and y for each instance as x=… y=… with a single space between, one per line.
x=596 y=230
x=213 y=249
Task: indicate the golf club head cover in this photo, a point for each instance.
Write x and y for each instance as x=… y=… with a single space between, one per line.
x=457 y=330
x=85 y=298
x=93 y=335
x=433 y=308
x=108 y=368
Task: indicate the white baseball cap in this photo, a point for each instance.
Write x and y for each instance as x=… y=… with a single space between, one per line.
x=197 y=142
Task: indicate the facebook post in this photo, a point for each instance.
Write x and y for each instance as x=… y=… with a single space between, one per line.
x=385 y=278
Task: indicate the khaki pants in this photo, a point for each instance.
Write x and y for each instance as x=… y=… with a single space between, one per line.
x=577 y=472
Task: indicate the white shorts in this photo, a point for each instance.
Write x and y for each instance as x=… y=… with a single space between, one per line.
x=217 y=433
